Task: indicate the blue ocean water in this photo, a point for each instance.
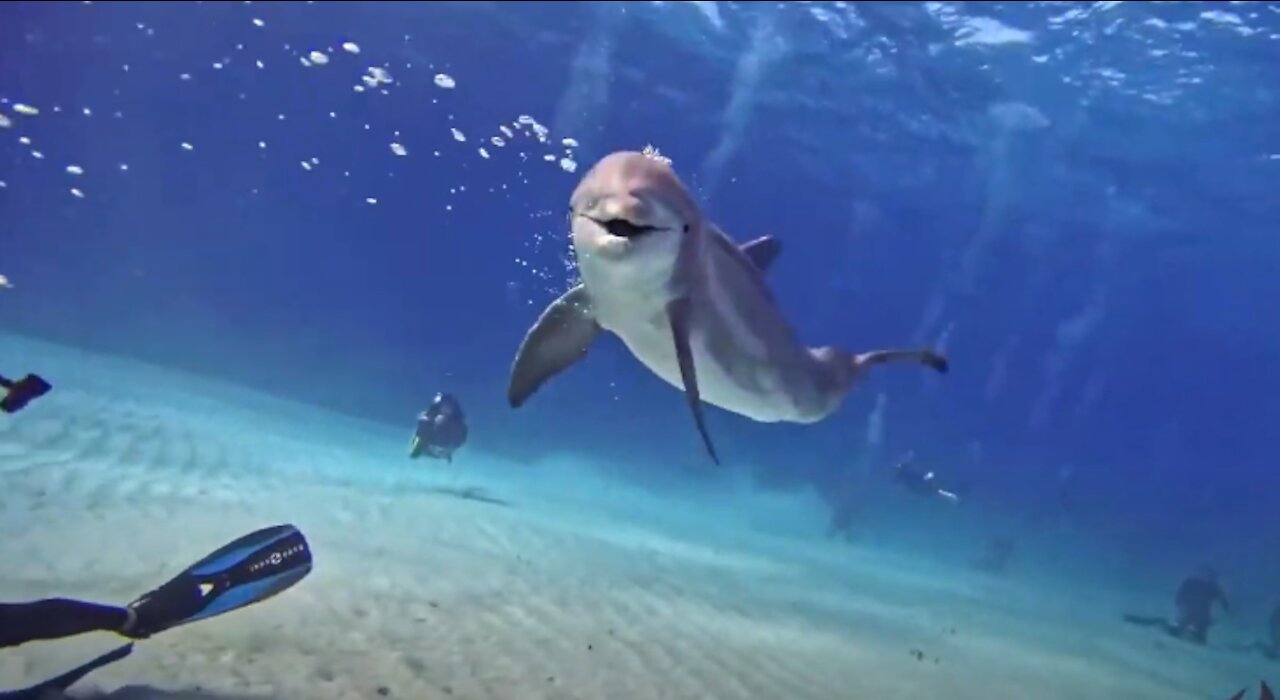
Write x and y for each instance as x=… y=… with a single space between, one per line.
x=1075 y=201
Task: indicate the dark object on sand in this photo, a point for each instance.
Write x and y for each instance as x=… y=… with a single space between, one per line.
x=17 y=394
x=471 y=493
x=442 y=429
x=248 y=570
x=843 y=514
x=1194 y=601
x=995 y=558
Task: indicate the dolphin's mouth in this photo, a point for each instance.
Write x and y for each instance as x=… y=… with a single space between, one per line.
x=621 y=228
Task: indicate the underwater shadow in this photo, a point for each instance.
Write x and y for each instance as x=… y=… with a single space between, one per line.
x=469 y=493
x=145 y=692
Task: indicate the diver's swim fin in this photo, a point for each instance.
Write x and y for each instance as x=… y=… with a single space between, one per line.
x=246 y=571
x=17 y=394
x=67 y=679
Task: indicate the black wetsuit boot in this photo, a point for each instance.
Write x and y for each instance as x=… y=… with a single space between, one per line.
x=55 y=618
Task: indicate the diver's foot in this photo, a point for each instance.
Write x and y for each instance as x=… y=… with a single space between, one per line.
x=130 y=627
x=163 y=608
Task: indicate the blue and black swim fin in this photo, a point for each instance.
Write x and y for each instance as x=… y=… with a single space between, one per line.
x=249 y=570
x=246 y=571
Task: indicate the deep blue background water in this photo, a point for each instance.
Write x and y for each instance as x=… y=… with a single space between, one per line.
x=1077 y=200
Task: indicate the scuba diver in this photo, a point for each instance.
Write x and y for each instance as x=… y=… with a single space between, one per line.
x=920 y=481
x=1271 y=648
x=1194 y=601
x=442 y=428
x=18 y=393
x=248 y=570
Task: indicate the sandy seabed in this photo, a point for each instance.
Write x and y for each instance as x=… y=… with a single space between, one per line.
x=494 y=579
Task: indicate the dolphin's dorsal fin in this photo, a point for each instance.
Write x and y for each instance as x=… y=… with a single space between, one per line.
x=762 y=251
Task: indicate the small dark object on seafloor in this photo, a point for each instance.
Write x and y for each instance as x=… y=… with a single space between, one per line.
x=384 y=691
x=590 y=648
x=433 y=604
x=18 y=393
x=995 y=558
x=919 y=655
x=551 y=679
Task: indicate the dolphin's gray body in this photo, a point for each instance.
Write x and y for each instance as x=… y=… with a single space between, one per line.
x=688 y=302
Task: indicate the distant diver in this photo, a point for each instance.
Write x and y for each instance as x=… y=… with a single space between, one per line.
x=844 y=512
x=442 y=429
x=248 y=570
x=1270 y=648
x=1194 y=601
x=19 y=393
x=920 y=481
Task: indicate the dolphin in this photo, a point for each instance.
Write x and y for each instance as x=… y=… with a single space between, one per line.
x=689 y=304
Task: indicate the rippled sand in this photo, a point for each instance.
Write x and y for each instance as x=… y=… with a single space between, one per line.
x=500 y=580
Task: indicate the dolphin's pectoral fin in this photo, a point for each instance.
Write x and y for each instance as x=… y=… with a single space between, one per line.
x=762 y=251
x=558 y=339
x=927 y=358
x=678 y=313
